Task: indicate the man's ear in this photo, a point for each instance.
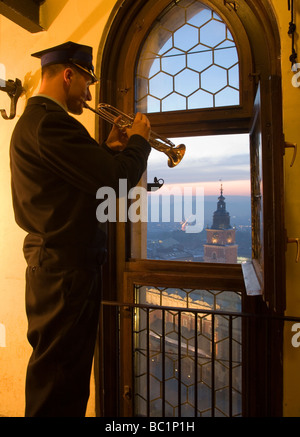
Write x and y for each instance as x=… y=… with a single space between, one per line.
x=68 y=75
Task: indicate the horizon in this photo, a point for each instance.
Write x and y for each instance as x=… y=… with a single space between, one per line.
x=209 y=161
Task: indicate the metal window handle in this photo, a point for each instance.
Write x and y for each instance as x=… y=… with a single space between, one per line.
x=295 y=240
x=293 y=146
x=127 y=393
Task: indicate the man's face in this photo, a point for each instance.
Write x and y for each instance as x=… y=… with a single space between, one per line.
x=78 y=92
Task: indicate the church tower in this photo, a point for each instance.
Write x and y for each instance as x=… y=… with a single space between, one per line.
x=220 y=244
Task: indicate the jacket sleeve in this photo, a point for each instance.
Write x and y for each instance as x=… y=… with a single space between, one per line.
x=66 y=148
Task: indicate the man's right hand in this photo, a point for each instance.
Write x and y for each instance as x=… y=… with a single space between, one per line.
x=141 y=126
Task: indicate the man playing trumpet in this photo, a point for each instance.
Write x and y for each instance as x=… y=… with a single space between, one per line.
x=56 y=170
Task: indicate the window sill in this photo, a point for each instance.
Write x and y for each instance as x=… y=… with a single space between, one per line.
x=252 y=285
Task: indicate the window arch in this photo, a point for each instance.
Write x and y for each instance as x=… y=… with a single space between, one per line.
x=125 y=47
x=189 y=60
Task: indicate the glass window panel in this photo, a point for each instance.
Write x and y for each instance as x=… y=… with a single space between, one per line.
x=175 y=348
x=226 y=97
x=198 y=15
x=200 y=99
x=186 y=41
x=199 y=58
x=213 y=33
x=161 y=85
x=172 y=100
x=226 y=56
x=202 y=213
x=233 y=76
x=173 y=61
x=186 y=37
x=187 y=82
x=214 y=79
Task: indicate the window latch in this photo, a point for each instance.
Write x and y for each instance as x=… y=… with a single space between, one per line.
x=155 y=185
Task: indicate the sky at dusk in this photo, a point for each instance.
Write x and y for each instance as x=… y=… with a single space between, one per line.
x=208 y=162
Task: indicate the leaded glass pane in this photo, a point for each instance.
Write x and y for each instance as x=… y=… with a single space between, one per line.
x=188 y=359
x=189 y=61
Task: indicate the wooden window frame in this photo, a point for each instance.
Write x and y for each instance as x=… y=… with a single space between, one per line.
x=127 y=27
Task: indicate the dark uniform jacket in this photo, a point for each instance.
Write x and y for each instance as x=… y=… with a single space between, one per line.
x=56 y=170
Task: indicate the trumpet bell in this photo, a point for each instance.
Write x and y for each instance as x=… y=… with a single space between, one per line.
x=175 y=155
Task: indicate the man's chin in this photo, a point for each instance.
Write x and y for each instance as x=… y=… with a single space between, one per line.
x=76 y=111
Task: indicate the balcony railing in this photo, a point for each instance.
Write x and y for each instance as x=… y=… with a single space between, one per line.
x=188 y=361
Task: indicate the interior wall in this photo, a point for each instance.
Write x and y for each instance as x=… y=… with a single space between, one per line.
x=291 y=129
x=64 y=20
x=84 y=22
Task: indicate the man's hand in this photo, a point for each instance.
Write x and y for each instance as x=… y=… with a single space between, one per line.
x=141 y=126
x=118 y=139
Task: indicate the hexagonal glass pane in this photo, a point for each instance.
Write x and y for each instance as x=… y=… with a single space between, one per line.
x=227 y=97
x=173 y=61
x=186 y=37
x=186 y=82
x=200 y=99
x=143 y=85
x=226 y=55
x=228 y=300
x=155 y=67
x=174 y=19
x=166 y=45
x=199 y=58
x=161 y=85
x=197 y=15
x=174 y=45
x=149 y=65
x=233 y=76
x=148 y=104
x=212 y=33
x=174 y=102
x=213 y=79
x=155 y=388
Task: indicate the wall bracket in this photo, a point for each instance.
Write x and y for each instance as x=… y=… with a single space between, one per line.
x=14 y=89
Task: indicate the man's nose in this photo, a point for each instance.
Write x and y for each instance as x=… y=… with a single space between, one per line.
x=88 y=95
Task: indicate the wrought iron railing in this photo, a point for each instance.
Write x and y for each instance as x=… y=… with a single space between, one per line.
x=188 y=361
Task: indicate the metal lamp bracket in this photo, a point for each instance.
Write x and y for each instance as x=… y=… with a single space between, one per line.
x=14 y=90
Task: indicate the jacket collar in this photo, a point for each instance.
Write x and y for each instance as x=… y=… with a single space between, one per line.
x=48 y=102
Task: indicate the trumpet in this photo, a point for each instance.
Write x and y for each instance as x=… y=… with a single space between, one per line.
x=109 y=113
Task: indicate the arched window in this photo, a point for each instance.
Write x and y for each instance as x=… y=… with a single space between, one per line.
x=189 y=60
